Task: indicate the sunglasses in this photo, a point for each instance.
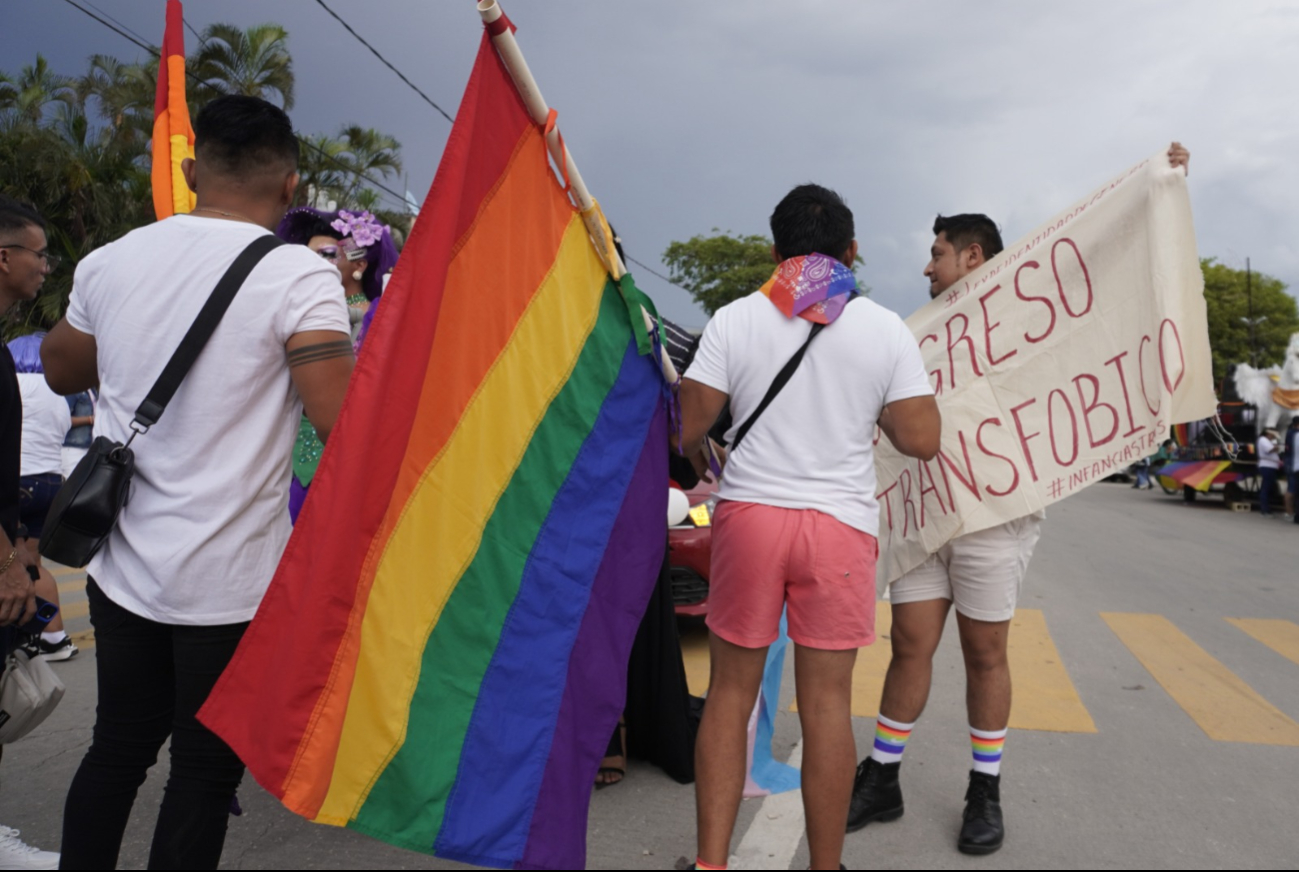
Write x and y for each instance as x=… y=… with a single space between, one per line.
x=345 y=249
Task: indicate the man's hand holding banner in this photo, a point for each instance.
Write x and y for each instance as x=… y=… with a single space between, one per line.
x=1065 y=358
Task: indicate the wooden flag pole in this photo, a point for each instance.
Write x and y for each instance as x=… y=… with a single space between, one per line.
x=512 y=56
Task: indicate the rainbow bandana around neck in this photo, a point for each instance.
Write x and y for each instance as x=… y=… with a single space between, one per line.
x=813 y=286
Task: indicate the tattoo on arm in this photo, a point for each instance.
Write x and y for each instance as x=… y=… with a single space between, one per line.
x=319 y=352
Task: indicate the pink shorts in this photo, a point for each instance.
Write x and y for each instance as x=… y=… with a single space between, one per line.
x=764 y=558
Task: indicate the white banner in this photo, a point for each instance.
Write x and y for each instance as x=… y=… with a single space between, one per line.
x=1063 y=360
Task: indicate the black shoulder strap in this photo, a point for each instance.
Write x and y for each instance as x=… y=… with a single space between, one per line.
x=782 y=378
x=201 y=330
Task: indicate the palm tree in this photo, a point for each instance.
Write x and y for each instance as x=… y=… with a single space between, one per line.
x=8 y=93
x=254 y=62
x=368 y=152
x=123 y=94
x=35 y=89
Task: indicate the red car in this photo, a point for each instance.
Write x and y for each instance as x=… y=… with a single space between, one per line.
x=689 y=549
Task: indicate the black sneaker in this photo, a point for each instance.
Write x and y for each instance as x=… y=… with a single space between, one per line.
x=876 y=794
x=62 y=650
x=983 y=830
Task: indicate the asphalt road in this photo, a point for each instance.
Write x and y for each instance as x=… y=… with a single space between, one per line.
x=1149 y=729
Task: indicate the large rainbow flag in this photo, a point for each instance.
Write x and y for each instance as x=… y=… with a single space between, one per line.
x=173 y=137
x=441 y=658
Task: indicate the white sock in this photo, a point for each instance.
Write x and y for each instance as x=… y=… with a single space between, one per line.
x=890 y=739
x=54 y=638
x=987 y=746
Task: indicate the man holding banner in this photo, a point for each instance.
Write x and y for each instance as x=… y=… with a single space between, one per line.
x=968 y=559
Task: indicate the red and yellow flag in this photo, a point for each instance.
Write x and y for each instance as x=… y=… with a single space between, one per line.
x=173 y=137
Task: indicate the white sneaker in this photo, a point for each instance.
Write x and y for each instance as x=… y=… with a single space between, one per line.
x=17 y=854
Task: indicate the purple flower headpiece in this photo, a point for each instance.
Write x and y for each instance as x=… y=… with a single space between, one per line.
x=363 y=227
x=303 y=222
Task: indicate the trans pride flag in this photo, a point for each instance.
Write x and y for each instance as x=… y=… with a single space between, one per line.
x=441 y=658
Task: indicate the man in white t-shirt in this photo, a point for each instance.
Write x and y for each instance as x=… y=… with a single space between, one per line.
x=798 y=519
x=182 y=574
x=981 y=574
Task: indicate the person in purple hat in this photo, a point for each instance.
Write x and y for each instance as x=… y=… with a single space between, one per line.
x=357 y=243
x=362 y=250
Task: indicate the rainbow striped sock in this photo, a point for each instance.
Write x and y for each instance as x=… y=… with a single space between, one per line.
x=987 y=746
x=700 y=864
x=890 y=740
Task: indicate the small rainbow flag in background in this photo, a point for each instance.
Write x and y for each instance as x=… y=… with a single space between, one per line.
x=442 y=656
x=173 y=137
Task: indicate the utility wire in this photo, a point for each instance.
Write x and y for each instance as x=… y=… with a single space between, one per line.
x=649 y=269
x=156 y=52
x=112 y=19
x=384 y=60
x=114 y=27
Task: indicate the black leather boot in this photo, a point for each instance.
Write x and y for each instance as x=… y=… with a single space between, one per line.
x=876 y=794
x=983 y=830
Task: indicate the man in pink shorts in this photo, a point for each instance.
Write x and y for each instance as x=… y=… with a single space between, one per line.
x=798 y=519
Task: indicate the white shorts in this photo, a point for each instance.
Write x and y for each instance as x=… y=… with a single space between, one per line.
x=981 y=573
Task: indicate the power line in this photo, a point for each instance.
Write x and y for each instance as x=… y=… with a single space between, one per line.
x=111 y=18
x=375 y=52
x=649 y=269
x=115 y=28
x=156 y=52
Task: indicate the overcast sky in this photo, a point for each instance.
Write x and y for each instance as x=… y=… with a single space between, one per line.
x=685 y=116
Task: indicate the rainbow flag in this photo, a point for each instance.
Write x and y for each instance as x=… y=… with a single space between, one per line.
x=1199 y=474
x=441 y=658
x=173 y=137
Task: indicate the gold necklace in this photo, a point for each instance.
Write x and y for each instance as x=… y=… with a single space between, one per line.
x=233 y=215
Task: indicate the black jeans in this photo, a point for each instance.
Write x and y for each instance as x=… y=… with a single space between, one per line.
x=153 y=678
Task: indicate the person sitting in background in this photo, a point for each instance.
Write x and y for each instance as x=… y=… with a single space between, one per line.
x=46 y=420
x=1143 y=474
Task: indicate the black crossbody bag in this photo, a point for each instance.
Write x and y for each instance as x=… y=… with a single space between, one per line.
x=86 y=508
x=782 y=379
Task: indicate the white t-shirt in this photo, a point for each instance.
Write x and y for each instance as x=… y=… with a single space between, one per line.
x=46 y=422
x=1269 y=455
x=813 y=447
x=207 y=520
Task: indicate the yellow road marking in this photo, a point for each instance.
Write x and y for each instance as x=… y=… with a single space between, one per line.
x=872 y=663
x=1044 y=697
x=73 y=586
x=694 y=650
x=57 y=570
x=1281 y=636
x=1226 y=708
x=85 y=640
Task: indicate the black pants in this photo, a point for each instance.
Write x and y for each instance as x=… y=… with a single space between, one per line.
x=153 y=678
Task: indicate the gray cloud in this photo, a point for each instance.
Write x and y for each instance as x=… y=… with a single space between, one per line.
x=686 y=116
